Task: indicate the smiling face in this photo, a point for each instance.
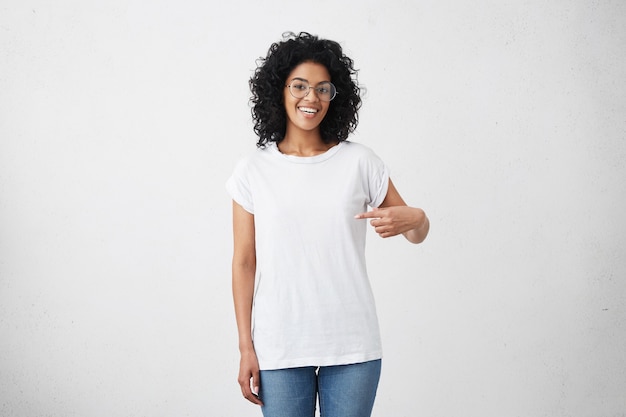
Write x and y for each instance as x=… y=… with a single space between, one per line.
x=305 y=114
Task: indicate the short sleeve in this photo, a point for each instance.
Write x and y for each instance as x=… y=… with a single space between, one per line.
x=238 y=187
x=377 y=175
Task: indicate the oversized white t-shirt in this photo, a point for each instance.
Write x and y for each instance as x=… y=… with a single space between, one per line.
x=313 y=304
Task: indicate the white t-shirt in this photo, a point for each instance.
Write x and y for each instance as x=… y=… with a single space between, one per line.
x=313 y=304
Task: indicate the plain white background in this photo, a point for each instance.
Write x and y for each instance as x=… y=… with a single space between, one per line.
x=121 y=120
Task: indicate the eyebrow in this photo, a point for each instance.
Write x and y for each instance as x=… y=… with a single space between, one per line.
x=307 y=81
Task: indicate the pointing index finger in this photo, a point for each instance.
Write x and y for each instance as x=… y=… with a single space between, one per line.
x=368 y=215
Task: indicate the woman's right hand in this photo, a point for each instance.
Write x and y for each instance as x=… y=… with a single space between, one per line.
x=249 y=377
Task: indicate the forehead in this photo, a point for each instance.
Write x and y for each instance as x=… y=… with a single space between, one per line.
x=310 y=71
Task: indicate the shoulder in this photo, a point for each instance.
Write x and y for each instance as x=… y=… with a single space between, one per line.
x=356 y=148
x=253 y=158
x=360 y=151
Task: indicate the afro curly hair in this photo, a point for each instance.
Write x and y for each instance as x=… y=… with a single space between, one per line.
x=268 y=82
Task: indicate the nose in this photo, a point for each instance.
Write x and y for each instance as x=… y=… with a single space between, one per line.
x=312 y=93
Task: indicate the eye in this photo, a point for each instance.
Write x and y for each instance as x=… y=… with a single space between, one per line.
x=299 y=85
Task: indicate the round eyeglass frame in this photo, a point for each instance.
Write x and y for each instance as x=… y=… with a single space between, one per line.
x=308 y=89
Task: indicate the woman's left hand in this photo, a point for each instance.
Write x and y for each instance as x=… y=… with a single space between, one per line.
x=392 y=221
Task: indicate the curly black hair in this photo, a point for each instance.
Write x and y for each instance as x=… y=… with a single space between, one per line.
x=267 y=84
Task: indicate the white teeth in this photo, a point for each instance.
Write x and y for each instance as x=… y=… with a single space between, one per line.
x=308 y=110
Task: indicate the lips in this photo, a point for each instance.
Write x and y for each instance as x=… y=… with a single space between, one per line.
x=308 y=110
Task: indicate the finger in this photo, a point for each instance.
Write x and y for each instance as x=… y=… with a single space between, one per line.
x=245 y=390
x=382 y=221
x=254 y=399
x=245 y=387
x=374 y=214
x=379 y=222
x=391 y=233
x=249 y=395
x=255 y=382
x=383 y=229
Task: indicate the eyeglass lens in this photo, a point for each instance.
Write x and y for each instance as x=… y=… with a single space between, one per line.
x=325 y=90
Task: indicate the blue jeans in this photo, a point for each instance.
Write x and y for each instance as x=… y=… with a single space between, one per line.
x=344 y=390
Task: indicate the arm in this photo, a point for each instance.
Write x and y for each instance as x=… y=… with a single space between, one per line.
x=394 y=217
x=243 y=269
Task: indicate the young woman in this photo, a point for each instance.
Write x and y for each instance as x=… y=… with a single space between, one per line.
x=304 y=308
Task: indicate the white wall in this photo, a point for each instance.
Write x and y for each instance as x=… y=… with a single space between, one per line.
x=121 y=120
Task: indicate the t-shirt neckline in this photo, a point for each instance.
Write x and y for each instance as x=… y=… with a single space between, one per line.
x=306 y=159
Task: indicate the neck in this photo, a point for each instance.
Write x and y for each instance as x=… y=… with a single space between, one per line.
x=304 y=144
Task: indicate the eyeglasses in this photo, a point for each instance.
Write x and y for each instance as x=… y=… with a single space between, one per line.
x=300 y=88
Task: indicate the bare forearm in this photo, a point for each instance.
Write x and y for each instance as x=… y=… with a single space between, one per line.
x=243 y=292
x=419 y=233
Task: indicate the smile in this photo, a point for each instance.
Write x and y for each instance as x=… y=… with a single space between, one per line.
x=308 y=110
